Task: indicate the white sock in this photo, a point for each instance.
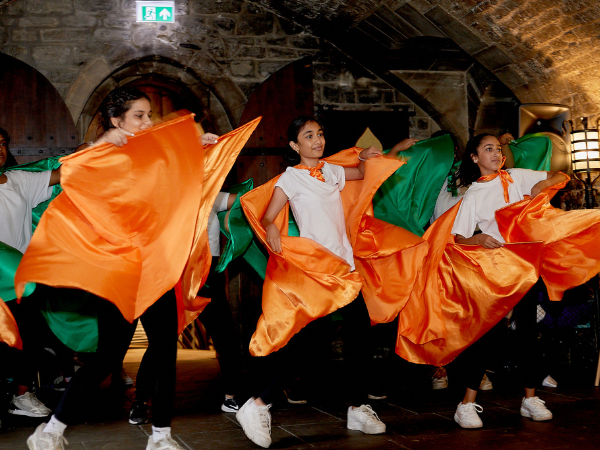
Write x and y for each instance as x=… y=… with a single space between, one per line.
x=160 y=433
x=55 y=426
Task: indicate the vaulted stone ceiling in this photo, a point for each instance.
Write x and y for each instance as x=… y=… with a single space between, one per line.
x=543 y=50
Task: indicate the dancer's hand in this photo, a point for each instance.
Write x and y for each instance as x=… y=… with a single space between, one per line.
x=370 y=152
x=404 y=144
x=485 y=240
x=209 y=138
x=506 y=139
x=274 y=237
x=114 y=136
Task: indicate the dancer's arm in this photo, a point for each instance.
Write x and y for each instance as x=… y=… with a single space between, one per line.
x=54 y=177
x=404 y=144
x=358 y=173
x=276 y=204
x=553 y=178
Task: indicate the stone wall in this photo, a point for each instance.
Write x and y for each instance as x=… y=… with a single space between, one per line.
x=88 y=47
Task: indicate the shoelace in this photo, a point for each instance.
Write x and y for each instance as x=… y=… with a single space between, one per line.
x=264 y=418
x=537 y=401
x=475 y=406
x=369 y=411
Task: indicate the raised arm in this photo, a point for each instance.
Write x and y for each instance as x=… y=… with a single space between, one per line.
x=276 y=204
x=404 y=144
x=358 y=173
x=552 y=179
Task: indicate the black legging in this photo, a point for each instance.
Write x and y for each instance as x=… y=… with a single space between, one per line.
x=218 y=320
x=476 y=359
x=114 y=336
x=299 y=352
x=156 y=376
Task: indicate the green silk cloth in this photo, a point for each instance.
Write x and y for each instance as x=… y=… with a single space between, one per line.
x=241 y=240
x=407 y=198
x=70 y=319
x=532 y=151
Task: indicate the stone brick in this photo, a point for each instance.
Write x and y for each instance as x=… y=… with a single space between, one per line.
x=51 y=56
x=49 y=6
x=62 y=76
x=215 y=6
x=117 y=22
x=325 y=72
x=102 y=35
x=421 y=5
x=225 y=25
x=25 y=35
x=304 y=40
x=242 y=69
x=39 y=21
x=256 y=25
x=196 y=26
x=79 y=20
x=251 y=52
x=586 y=31
x=288 y=53
x=66 y=35
x=3 y=35
x=16 y=51
x=96 y=5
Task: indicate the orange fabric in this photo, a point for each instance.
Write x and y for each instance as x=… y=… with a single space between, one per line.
x=315 y=172
x=461 y=293
x=131 y=221
x=9 y=331
x=572 y=239
x=388 y=257
x=505 y=178
x=306 y=281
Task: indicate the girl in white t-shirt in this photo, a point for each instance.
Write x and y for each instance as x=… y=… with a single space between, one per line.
x=490 y=190
x=313 y=191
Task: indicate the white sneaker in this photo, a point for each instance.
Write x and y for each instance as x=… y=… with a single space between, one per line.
x=28 y=405
x=486 y=384
x=256 y=422
x=439 y=379
x=466 y=415
x=365 y=419
x=550 y=382
x=535 y=409
x=167 y=443
x=46 y=441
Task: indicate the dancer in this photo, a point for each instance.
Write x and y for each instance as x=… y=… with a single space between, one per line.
x=126 y=112
x=490 y=190
x=313 y=191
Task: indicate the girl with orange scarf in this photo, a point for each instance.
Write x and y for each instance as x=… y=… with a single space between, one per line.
x=490 y=190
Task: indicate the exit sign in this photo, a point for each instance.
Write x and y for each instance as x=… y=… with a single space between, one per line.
x=155 y=11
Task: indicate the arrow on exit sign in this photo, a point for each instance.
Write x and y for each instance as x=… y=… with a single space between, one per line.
x=148 y=11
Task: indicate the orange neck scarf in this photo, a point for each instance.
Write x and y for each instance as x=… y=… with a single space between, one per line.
x=314 y=171
x=504 y=178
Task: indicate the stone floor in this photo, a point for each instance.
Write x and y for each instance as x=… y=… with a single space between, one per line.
x=416 y=418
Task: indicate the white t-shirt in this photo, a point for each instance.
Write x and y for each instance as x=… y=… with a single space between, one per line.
x=214 y=229
x=445 y=200
x=482 y=200
x=317 y=207
x=18 y=196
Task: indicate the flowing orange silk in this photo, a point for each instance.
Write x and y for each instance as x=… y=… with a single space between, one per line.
x=302 y=283
x=461 y=293
x=9 y=331
x=571 y=238
x=315 y=172
x=387 y=256
x=131 y=221
x=307 y=281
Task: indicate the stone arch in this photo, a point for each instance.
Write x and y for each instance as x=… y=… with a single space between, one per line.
x=218 y=97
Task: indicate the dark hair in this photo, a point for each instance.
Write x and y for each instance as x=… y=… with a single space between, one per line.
x=118 y=103
x=468 y=172
x=296 y=126
x=10 y=159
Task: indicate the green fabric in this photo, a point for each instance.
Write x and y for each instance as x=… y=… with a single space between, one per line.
x=70 y=319
x=407 y=198
x=532 y=151
x=241 y=240
x=9 y=261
